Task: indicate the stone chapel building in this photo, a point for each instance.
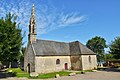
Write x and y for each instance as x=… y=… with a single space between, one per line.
x=43 y=56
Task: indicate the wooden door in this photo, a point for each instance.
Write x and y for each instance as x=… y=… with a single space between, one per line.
x=66 y=66
x=28 y=67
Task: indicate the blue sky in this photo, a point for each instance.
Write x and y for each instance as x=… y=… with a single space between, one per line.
x=68 y=20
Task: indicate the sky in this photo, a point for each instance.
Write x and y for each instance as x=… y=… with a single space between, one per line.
x=67 y=20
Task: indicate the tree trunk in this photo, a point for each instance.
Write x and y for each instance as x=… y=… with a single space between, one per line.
x=9 y=64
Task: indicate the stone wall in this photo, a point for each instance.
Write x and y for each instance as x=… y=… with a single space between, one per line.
x=29 y=58
x=89 y=63
x=76 y=62
x=46 y=64
x=25 y=59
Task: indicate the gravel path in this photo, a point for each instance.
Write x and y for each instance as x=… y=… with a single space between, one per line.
x=100 y=75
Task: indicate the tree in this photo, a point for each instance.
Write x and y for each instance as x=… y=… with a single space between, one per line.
x=10 y=39
x=115 y=48
x=97 y=45
x=22 y=54
x=109 y=57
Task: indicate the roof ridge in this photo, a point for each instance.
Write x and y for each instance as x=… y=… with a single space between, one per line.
x=52 y=41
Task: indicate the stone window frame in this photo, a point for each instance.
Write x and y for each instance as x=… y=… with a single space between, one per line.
x=89 y=58
x=57 y=61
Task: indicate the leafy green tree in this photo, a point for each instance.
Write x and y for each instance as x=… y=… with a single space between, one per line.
x=97 y=45
x=22 y=54
x=109 y=57
x=10 y=39
x=115 y=48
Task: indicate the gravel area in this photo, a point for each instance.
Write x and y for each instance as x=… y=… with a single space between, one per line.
x=99 y=75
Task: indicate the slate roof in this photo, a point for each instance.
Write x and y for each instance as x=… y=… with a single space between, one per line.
x=84 y=49
x=78 y=48
x=47 y=48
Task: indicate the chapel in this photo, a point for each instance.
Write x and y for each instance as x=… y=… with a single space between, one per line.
x=44 y=56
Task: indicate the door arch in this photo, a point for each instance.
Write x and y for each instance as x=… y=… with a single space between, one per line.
x=66 y=66
x=28 y=67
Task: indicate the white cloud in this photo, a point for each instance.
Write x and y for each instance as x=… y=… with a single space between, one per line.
x=51 y=19
x=73 y=19
x=48 y=16
x=19 y=8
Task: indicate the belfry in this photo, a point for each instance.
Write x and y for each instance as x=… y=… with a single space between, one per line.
x=32 y=27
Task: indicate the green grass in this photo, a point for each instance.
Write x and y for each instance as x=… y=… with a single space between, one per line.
x=88 y=71
x=19 y=73
x=15 y=70
x=52 y=75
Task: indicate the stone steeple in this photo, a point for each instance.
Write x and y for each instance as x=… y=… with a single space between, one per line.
x=32 y=27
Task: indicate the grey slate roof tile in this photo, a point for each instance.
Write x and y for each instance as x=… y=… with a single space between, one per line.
x=47 y=47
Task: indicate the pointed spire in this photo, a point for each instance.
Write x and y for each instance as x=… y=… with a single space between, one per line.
x=32 y=27
x=33 y=12
x=33 y=5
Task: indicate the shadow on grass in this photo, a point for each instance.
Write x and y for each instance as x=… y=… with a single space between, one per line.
x=4 y=74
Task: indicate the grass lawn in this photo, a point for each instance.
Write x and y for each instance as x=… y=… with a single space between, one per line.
x=52 y=75
x=19 y=73
x=88 y=70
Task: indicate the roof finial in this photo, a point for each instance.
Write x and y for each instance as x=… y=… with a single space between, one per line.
x=33 y=5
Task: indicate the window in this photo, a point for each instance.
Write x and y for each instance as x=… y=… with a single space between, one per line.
x=33 y=29
x=89 y=59
x=58 y=61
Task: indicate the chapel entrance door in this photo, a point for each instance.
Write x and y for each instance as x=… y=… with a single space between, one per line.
x=28 y=67
x=66 y=66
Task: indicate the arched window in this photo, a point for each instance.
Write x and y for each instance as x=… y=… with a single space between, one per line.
x=33 y=29
x=89 y=59
x=58 y=61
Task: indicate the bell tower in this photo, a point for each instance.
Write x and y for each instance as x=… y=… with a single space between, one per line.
x=32 y=27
